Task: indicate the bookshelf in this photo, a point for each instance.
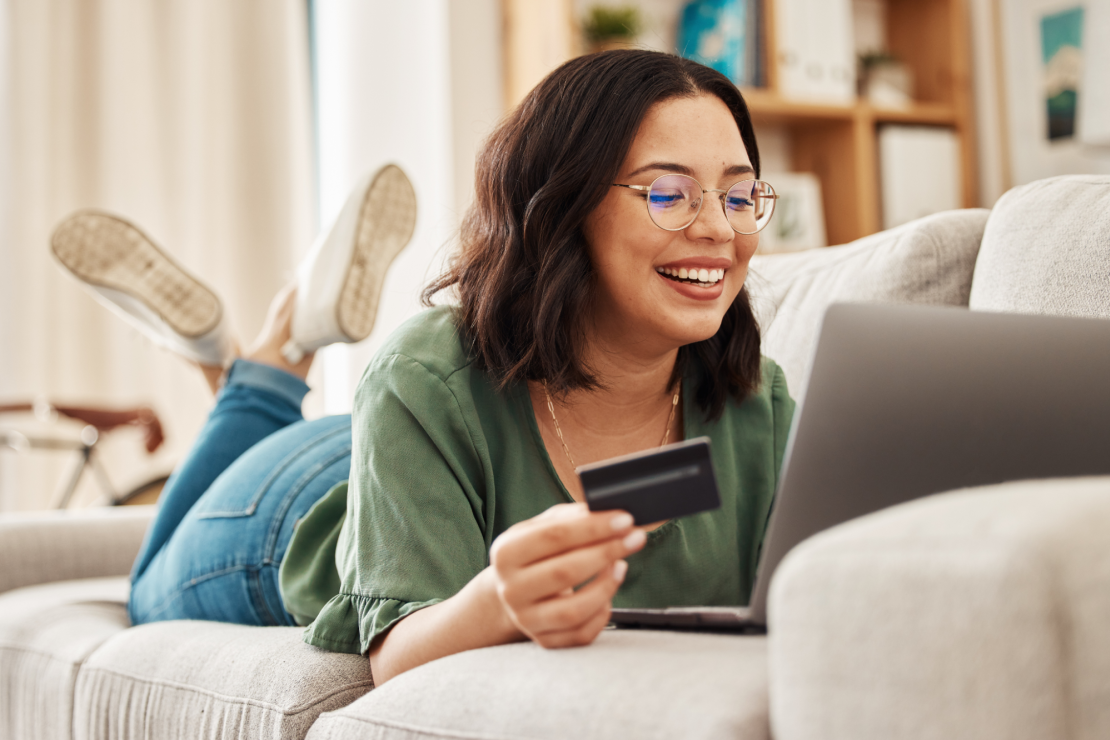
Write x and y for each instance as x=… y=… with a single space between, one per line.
x=837 y=143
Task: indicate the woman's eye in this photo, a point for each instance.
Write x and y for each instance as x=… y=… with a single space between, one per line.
x=663 y=200
x=738 y=204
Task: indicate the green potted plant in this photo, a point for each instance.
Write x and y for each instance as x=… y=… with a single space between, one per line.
x=885 y=81
x=608 y=28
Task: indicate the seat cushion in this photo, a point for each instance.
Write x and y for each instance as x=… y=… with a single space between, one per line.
x=629 y=683
x=1046 y=250
x=929 y=261
x=46 y=633
x=189 y=679
x=974 y=614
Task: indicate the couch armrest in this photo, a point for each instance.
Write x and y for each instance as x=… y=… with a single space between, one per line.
x=42 y=547
x=974 y=614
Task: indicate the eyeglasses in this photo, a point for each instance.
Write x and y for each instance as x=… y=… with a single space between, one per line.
x=674 y=201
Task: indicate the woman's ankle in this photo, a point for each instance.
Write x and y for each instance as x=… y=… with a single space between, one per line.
x=269 y=355
x=213 y=375
x=275 y=333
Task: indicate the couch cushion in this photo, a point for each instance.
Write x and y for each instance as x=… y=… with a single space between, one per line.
x=975 y=614
x=211 y=680
x=1046 y=249
x=46 y=632
x=928 y=261
x=641 y=684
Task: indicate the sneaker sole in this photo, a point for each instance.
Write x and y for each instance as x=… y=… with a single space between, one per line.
x=386 y=222
x=107 y=251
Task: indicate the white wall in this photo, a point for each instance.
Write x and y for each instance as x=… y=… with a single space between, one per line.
x=476 y=85
x=1033 y=157
x=1009 y=98
x=984 y=85
x=7 y=338
x=416 y=83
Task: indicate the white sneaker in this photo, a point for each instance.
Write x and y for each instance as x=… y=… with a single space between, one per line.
x=339 y=283
x=129 y=274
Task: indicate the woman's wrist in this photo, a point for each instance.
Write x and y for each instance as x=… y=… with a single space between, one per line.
x=501 y=628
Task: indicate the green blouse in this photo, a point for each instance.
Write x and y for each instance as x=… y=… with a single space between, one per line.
x=443 y=463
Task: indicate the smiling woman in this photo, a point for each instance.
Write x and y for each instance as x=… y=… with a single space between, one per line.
x=600 y=279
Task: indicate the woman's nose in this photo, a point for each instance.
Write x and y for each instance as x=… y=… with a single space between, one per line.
x=711 y=222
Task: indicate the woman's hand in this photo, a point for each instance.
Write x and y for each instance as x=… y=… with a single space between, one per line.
x=538 y=563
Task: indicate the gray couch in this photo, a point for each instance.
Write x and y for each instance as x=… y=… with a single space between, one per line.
x=981 y=613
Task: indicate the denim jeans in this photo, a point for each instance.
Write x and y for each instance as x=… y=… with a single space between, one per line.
x=227 y=513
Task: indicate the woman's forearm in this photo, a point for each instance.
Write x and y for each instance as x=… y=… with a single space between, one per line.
x=527 y=593
x=472 y=618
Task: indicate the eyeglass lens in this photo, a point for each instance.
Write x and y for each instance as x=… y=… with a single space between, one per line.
x=674 y=201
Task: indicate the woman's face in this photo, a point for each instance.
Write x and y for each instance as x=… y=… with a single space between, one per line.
x=637 y=300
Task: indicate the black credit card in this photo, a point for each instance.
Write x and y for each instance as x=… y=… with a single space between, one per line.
x=669 y=482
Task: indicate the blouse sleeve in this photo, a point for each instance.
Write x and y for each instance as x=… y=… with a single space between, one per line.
x=415 y=532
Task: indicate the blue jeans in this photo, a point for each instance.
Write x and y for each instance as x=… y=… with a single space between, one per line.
x=227 y=513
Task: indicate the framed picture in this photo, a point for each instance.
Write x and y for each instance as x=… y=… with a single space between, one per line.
x=799 y=220
x=1055 y=71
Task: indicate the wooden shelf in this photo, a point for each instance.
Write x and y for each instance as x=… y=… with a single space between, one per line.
x=768 y=106
x=937 y=114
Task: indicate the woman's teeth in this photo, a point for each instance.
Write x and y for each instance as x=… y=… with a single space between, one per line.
x=697 y=277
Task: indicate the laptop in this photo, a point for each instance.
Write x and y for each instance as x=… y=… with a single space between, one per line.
x=906 y=401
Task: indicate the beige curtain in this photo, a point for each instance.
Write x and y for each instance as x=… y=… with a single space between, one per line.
x=189 y=117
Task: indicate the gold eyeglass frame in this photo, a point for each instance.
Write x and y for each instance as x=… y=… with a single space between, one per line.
x=647 y=188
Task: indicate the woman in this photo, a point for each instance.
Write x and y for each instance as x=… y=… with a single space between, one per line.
x=601 y=312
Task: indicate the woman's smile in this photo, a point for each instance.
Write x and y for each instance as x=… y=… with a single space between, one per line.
x=701 y=279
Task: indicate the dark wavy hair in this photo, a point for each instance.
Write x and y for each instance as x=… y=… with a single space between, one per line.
x=523 y=274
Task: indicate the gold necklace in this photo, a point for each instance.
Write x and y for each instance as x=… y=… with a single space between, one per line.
x=563 y=442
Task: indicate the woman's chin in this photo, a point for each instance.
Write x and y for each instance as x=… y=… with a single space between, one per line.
x=690 y=331
x=662 y=324
x=692 y=324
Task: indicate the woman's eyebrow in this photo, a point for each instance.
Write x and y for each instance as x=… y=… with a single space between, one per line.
x=736 y=169
x=665 y=166
x=740 y=169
